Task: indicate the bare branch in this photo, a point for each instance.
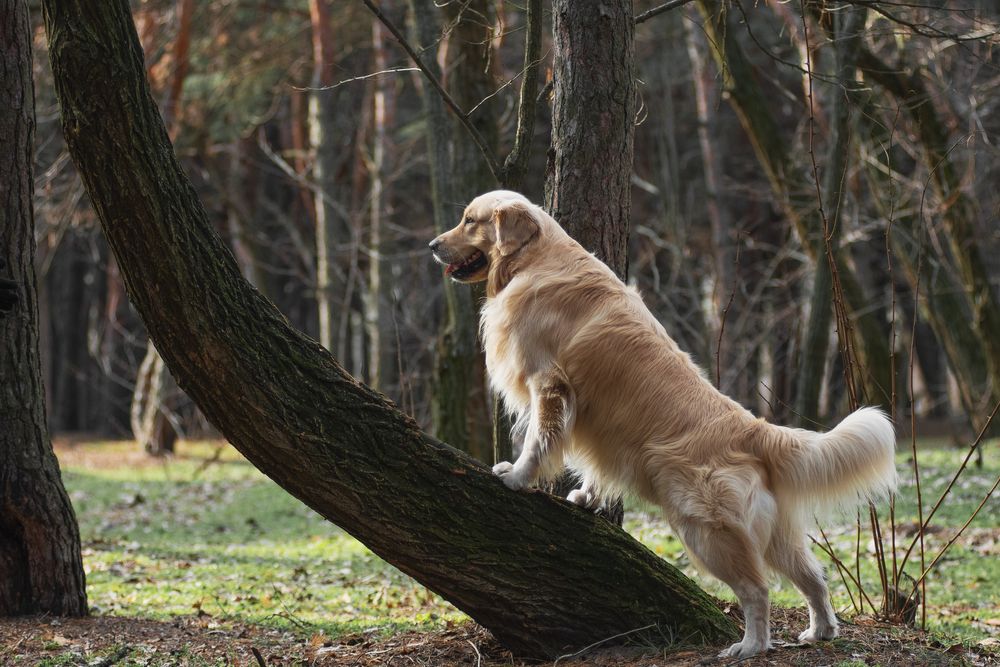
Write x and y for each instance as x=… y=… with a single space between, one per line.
x=463 y=118
x=665 y=7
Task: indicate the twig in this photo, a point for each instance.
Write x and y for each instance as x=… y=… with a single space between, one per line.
x=495 y=168
x=603 y=641
x=479 y=656
x=391 y=70
x=841 y=568
x=258 y=656
x=115 y=657
x=665 y=7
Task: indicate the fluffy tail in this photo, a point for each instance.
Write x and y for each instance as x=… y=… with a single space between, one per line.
x=854 y=461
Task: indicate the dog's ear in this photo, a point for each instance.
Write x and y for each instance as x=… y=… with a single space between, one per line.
x=516 y=224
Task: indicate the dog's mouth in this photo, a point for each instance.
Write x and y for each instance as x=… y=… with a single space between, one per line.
x=468 y=267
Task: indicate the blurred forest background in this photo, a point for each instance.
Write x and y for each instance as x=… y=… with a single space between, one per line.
x=788 y=156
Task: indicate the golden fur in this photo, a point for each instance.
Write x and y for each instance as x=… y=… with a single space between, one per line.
x=596 y=383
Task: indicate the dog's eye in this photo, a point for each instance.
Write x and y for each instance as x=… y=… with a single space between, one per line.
x=468 y=222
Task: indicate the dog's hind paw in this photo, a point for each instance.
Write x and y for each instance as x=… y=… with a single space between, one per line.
x=745 y=649
x=818 y=633
x=582 y=498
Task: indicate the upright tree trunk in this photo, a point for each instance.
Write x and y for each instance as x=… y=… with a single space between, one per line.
x=151 y=427
x=41 y=570
x=588 y=189
x=149 y=417
x=331 y=227
x=545 y=577
x=724 y=235
x=589 y=179
x=470 y=79
x=379 y=307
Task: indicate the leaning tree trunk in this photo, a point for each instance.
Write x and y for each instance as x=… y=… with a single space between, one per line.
x=545 y=577
x=41 y=570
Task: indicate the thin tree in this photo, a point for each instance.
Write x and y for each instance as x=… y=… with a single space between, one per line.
x=542 y=575
x=41 y=569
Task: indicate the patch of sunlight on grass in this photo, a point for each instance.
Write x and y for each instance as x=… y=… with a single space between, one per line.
x=182 y=536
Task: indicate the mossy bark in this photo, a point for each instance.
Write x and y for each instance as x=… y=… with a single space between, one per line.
x=543 y=576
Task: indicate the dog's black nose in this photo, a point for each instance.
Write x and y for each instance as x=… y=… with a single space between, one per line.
x=434 y=244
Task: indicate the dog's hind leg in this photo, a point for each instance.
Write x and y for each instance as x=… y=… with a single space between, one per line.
x=789 y=554
x=552 y=412
x=727 y=551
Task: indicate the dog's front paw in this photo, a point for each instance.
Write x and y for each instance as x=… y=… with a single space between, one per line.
x=508 y=474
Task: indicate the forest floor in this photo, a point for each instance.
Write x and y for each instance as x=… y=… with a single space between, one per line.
x=200 y=560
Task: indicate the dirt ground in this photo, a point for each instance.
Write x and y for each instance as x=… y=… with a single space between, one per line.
x=107 y=641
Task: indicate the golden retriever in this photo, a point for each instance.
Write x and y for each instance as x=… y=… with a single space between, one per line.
x=596 y=383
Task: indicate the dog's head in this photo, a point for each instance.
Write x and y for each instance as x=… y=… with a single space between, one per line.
x=495 y=226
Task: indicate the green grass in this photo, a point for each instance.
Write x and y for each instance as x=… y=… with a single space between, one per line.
x=219 y=539
x=174 y=539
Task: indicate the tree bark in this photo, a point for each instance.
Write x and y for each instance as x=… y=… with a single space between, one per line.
x=470 y=62
x=151 y=427
x=543 y=576
x=380 y=321
x=588 y=189
x=41 y=570
x=589 y=173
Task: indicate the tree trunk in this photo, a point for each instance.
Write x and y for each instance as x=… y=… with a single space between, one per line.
x=149 y=409
x=41 y=570
x=470 y=79
x=717 y=207
x=331 y=226
x=380 y=317
x=151 y=426
x=588 y=189
x=589 y=173
x=543 y=576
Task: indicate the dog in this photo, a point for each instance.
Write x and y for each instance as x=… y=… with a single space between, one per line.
x=595 y=381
